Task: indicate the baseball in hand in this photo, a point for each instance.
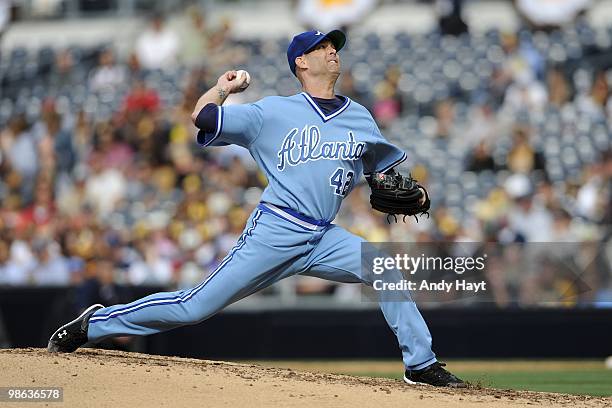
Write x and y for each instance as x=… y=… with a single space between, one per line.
x=240 y=74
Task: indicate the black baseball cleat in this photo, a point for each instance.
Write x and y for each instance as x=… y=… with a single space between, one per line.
x=435 y=375
x=72 y=335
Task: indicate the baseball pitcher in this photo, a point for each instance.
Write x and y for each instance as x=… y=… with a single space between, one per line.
x=313 y=147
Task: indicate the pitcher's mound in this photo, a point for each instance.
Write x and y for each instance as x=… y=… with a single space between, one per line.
x=96 y=378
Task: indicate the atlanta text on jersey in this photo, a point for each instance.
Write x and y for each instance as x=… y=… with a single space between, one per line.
x=310 y=148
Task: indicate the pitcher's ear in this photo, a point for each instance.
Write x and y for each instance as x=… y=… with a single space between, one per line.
x=300 y=62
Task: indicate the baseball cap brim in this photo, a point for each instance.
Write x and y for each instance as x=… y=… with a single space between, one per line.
x=336 y=37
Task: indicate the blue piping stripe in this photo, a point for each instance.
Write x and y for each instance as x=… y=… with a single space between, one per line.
x=219 y=127
x=302 y=217
x=220 y=120
x=267 y=210
x=305 y=218
x=321 y=114
x=240 y=243
x=310 y=226
x=180 y=299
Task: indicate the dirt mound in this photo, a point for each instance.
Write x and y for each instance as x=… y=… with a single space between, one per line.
x=95 y=378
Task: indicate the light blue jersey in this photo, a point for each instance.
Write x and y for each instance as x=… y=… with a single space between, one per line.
x=312 y=161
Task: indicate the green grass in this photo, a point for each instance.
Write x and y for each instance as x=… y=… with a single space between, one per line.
x=580 y=377
x=580 y=382
x=591 y=382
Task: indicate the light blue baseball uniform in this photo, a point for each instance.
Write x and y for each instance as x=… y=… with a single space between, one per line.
x=312 y=161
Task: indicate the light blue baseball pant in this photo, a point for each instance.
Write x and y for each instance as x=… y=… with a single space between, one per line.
x=273 y=246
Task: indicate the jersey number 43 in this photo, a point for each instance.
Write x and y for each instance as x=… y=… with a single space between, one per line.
x=340 y=183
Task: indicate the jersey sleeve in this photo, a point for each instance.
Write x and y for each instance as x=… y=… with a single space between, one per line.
x=235 y=124
x=380 y=154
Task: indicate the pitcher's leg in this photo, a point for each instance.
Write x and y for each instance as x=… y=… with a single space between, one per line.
x=337 y=257
x=242 y=272
x=404 y=318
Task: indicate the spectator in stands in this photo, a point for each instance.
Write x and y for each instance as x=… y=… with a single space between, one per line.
x=450 y=19
x=497 y=86
x=82 y=137
x=42 y=210
x=446 y=125
x=523 y=158
x=348 y=88
x=12 y=272
x=591 y=197
x=56 y=150
x=158 y=46
x=447 y=225
x=114 y=151
x=64 y=75
x=496 y=274
x=140 y=99
x=104 y=187
x=521 y=59
x=180 y=146
x=98 y=284
x=482 y=125
x=548 y=196
x=51 y=268
x=481 y=159
x=528 y=219
x=194 y=36
x=558 y=88
x=69 y=199
x=361 y=219
x=594 y=104
x=19 y=147
x=46 y=151
x=387 y=105
x=525 y=94
x=108 y=75
x=220 y=52
x=134 y=67
x=151 y=268
x=563 y=230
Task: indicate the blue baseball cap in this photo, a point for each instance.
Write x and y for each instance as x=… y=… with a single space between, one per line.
x=306 y=41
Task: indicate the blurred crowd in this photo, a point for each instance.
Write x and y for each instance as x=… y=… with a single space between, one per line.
x=121 y=194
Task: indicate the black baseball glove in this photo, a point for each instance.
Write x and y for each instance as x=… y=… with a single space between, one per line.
x=395 y=195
